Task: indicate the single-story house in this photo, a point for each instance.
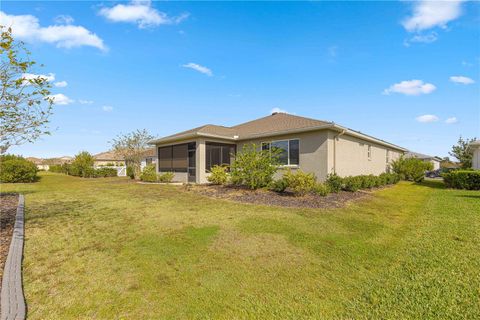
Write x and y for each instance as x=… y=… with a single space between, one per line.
x=311 y=145
x=44 y=164
x=109 y=158
x=435 y=161
x=476 y=154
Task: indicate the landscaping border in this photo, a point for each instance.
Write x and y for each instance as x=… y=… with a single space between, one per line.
x=12 y=298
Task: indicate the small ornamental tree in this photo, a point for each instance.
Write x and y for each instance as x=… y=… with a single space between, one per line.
x=411 y=169
x=25 y=100
x=132 y=147
x=463 y=152
x=254 y=167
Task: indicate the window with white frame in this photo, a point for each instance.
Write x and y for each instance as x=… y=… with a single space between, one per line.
x=289 y=151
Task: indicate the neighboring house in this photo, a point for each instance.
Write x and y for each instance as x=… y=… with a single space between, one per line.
x=435 y=161
x=44 y=164
x=108 y=159
x=476 y=154
x=150 y=157
x=311 y=145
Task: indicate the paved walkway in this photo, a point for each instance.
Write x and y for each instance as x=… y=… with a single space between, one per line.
x=12 y=299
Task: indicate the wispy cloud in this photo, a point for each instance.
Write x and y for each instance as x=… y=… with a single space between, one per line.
x=278 y=110
x=462 y=80
x=61 y=99
x=451 y=120
x=107 y=108
x=425 y=38
x=27 y=27
x=140 y=13
x=426 y=118
x=428 y=14
x=63 y=19
x=61 y=84
x=199 y=68
x=85 y=101
x=46 y=77
x=411 y=88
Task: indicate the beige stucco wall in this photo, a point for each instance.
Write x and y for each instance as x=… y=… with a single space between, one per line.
x=476 y=157
x=313 y=151
x=321 y=152
x=351 y=156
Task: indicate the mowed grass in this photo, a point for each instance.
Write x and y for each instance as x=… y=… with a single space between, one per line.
x=113 y=249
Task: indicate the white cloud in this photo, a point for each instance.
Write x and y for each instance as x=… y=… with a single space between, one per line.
x=451 y=120
x=63 y=19
x=427 y=118
x=461 y=79
x=426 y=38
x=85 y=101
x=140 y=13
x=278 y=110
x=107 y=108
x=428 y=14
x=198 y=68
x=30 y=76
x=61 y=99
x=411 y=88
x=27 y=27
x=61 y=84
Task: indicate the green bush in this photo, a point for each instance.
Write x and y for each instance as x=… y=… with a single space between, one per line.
x=82 y=165
x=279 y=185
x=300 y=182
x=334 y=182
x=462 y=179
x=55 y=168
x=352 y=184
x=166 y=177
x=321 y=189
x=254 y=167
x=15 y=169
x=149 y=174
x=130 y=172
x=106 y=172
x=411 y=169
x=218 y=175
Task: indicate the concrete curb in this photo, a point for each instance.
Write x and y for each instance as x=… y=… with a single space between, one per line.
x=12 y=299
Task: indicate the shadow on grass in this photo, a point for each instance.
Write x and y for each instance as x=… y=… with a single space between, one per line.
x=473 y=196
x=436 y=184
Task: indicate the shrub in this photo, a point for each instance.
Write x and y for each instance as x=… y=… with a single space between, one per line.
x=411 y=169
x=149 y=174
x=106 y=172
x=279 y=185
x=321 y=189
x=218 y=175
x=56 y=168
x=300 y=182
x=166 y=177
x=254 y=167
x=352 y=184
x=462 y=179
x=82 y=165
x=334 y=182
x=15 y=169
x=130 y=172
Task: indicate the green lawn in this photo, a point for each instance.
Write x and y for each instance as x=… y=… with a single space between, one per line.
x=113 y=249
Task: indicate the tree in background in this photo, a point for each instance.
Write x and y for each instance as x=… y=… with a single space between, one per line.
x=25 y=100
x=132 y=146
x=463 y=152
x=82 y=165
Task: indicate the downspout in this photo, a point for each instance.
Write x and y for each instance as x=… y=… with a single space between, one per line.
x=335 y=149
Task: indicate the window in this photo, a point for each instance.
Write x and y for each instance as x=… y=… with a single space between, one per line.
x=218 y=154
x=387 y=159
x=289 y=151
x=148 y=161
x=173 y=158
x=369 y=152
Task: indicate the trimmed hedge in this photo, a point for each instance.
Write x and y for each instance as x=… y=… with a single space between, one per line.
x=462 y=179
x=88 y=172
x=14 y=169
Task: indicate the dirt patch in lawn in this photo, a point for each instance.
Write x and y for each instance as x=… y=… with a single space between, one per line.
x=8 y=210
x=286 y=199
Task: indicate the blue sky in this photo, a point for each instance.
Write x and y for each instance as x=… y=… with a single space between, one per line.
x=405 y=72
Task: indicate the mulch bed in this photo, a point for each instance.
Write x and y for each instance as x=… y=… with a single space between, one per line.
x=286 y=199
x=8 y=210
